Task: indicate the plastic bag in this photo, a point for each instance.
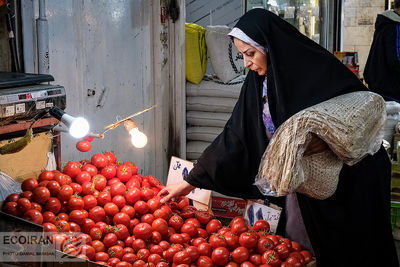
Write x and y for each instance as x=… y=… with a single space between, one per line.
x=352 y=125
x=195 y=52
x=8 y=186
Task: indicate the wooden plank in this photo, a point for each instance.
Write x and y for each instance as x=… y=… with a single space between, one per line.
x=25 y=125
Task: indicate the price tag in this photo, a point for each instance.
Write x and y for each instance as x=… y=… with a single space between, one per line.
x=9 y=111
x=20 y=108
x=40 y=104
x=256 y=211
x=49 y=105
x=180 y=168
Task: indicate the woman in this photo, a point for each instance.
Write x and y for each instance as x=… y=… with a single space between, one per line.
x=351 y=228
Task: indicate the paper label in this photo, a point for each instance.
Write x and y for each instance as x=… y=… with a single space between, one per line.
x=49 y=105
x=20 y=108
x=289 y=12
x=39 y=94
x=256 y=211
x=9 y=111
x=40 y=104
x=180 y=168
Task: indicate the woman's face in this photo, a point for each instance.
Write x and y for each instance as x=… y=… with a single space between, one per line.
x=253 y=58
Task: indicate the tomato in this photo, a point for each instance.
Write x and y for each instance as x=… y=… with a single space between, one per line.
x=97 y=214
x=142 y=231
x=88 y=188
x=153 y=203
x=139 y=263
x=217 y=241
x=248 y=240
x=29 y=184
x=138 y=244
x=74 y=227
x=220 y=256
x=176 y=239
x=119 y=201
x=203 y=216
x=109 y=171
x=197 y=241
x=103 y=198
x=91 y=169
x=264 y=244
x=122 y=218
x=193 y=253
x=124 y=173
x=113 y=181
x=111 y=157
x=99 y=182
x=233 y=264
x=116 y=251
x=95 y=233
x=240 y=254
x=63 y=226
x=62 y=216
x=239 y=227
x=49 y=216
x=99 y=160
x=232 y=240
x=65 y=193
x=75 y=203
x=83 y=146
x=274 y=239
x=134 y=182
x=26 y=194
x=156 y=249
x=256 y=259
x=298 y=256
x=111 y=209
x=162 y=264
x=282 y=250
x=141 y=207
x=270 y=257
x=164 y=245
x=204 y=261
x=133 y=195
x=23 y=205
x=307 y=256
x=129 y=257
x=296 y=246
x=188 y=212
x=160 y=225
x=34 y=216
x=205 y=249
x=72 y=169
x=247 y=264
x=261 y=225
x=76 y=216
x=87 y=225
x=54 y=187
x=121 y=231
x=49 y=227
x=45 y=176
x=147 y=194
x=154 y=258
x=101 y=256
x=117 y=189
x=213 y=226
x=176 y=222
x=130 y=211
x=189 y=228
x=89 y=202
x=110 y=240
x=88 y=251
x=143 y=254
x=182 y=257
x=58 y=240
x=40 y=194
x=11 y=208
x=113 y=262
x=98 y=246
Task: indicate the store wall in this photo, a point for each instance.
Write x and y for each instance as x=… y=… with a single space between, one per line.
x=358 y=26
x=5 y=57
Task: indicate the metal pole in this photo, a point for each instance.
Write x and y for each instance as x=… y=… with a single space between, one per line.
x=43 y=39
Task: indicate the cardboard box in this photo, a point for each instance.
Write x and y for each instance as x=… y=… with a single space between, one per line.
x=226 y=207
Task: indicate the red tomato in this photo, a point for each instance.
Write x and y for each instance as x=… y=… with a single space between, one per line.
x=121 y=231
x=88 y=188
x=97 y=214
x=283 y=251
x=75 y=203
x=99 y=160
x=240 y=254
x=217 y=241
x=65 y=193
x=98 y=246
x=26 y=194
x=103 y=198
x=141 y=207
x=176 y=222
x=121 y=218
x=197 y=241
x=63 y=226
x=88 y=251
x=160 y=225
x=74 y=227
x=183 y=202
x=89 y=202
x=30 y=184
x=91 y=169
x=72 y=169
x=205 y=249
x=154 y=258
x=204 y=261
x=264 y=244
x=12 y=197
x=101 y=256
x=62 y=216
x=109 y=171
x=176 y=239
x=117 y=189
x=34 y=216
x=248 y=240
x=234 y=264
x=54 y=187
x=274 y=239
x=147 y=218
x=45 y=176
x=76 y=216
x=143 y=254
x=147 y=194
x=99 y=182
x=164 y=245
x=232 y=240
x=83 y=146
x=133 y=195
x=49 y=216
x=296 y=246
x=188 y=212
x=110 y=240
x=182 y=257
x=23 y=205
x=58 y=240
x=95 y=233
x=220 y=256
x=134 y=182
x=138 y=244
x=154 y=203
x=298 y=256
x=119 y=201
x=189 y=229
x=156 y=237
x=11 y=208
x=113 y=262
x=239 y=227
x=129 y=257
x=203 y=216
x=111 y=157
x=193 y=253
x=83 y=177
x=124 y=173
x=261 y=225
x=116 y=251
x=40 y=194
x=307 y=256
x=111 y=209
x=129 y=210
x=256 y=259
x=142 y=231
x=213 y=226
x=270 y=257
x=49 y=227
x=247 y=264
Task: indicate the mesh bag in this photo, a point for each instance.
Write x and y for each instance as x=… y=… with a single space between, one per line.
x=352 y=125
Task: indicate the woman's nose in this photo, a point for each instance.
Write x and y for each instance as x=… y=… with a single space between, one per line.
x=247 y=63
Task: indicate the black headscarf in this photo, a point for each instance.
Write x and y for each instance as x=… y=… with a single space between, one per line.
x=347 y=229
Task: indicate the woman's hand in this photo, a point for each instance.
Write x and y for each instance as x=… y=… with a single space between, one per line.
x=175 y=190
x=315 y=146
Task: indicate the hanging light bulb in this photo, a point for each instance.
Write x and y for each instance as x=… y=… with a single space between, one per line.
x=77 y=127
x=138 y=139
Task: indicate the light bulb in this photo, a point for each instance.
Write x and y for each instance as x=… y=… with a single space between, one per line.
x=79 y=127
x=138 y=138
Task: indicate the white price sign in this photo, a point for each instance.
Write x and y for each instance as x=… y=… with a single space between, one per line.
x=256 y=211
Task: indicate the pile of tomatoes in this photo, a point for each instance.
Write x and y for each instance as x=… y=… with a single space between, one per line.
x=106 y=212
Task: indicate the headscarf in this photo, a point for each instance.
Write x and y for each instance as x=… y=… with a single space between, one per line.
x=238 y=33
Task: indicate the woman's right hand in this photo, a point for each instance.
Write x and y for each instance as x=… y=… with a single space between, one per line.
x=175 y=190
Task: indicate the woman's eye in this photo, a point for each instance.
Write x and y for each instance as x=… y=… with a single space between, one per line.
x=250 y=54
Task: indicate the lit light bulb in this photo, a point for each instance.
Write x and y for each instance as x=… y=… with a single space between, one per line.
x=138 y=138
x=79 y=128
